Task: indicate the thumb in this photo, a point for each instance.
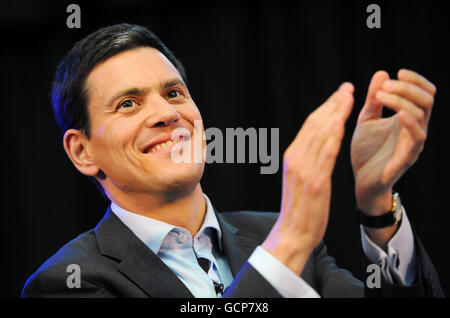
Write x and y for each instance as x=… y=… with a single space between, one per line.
x=372 y=108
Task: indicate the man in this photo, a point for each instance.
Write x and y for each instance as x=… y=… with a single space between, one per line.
x=120 y=98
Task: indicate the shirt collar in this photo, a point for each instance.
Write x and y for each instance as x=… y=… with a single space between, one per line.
x=153 y=232
x=211 y=221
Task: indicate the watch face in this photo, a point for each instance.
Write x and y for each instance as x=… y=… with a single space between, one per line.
x=398 y=209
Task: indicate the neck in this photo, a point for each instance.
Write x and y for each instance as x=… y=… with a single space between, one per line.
x=187 y=211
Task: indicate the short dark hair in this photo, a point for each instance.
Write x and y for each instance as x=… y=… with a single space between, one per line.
x=69 y=95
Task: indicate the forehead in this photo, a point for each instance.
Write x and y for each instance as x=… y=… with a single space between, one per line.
x=141 y=67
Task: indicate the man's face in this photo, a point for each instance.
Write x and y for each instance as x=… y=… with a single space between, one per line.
x=135 y=101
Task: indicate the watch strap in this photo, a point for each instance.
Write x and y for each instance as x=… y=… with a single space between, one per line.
x=390 y=218
x=378 y=222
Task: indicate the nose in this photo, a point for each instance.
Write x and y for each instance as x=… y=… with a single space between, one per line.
x=163 y=114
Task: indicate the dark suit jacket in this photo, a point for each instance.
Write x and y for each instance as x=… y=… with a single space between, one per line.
x=115 y=263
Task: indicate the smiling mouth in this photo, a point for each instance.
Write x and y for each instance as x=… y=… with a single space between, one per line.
x=166 y=144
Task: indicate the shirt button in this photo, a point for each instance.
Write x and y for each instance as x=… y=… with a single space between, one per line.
x=182 y=237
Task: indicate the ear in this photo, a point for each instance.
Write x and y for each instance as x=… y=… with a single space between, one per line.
x=75 y=145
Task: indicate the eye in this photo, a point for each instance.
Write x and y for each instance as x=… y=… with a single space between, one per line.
x=126 y=104
x=173 y=93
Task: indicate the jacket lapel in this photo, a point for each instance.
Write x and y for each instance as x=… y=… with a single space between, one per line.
x=236 y=247
x=136 y=260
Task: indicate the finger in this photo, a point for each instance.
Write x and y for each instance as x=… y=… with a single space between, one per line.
x=399 y=103
x=330 y=149
x=417 y=131
x=315 y=133
x=408 y=152
x=415 y=78
x=346 y=99
x=372 y=108
x=340 y=101
x=411 y=92
x=324 y=130
x=347 y=87
x=339 y=104
x=321 y=137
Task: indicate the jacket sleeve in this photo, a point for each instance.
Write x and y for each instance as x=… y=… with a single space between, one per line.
x=249 y=283
x=331 y=281
x=328 y=280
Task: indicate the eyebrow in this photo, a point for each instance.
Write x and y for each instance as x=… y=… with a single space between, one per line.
x=135 y=91
x=141 y=91
x=172 y=83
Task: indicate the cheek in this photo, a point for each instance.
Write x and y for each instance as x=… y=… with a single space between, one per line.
x=110 y=141
x=196 y=112
x=190 y=113
x=100 y=133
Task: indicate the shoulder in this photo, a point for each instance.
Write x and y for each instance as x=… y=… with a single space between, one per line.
x=51 y=276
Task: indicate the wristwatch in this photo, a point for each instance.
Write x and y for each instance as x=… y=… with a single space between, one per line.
x=393 y=216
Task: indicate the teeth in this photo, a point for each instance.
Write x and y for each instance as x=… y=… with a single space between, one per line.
x=164 y=144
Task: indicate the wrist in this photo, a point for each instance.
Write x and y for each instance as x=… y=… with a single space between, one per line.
x=376 y=205
x=382 y=227
x=291 y=251
x=382 y=236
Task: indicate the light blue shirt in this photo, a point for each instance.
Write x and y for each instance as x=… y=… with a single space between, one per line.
x=179 y=251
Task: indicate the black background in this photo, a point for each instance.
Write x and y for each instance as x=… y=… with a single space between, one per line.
x=259 y=64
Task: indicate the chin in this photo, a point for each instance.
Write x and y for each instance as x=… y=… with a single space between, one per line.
x=179 y=180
